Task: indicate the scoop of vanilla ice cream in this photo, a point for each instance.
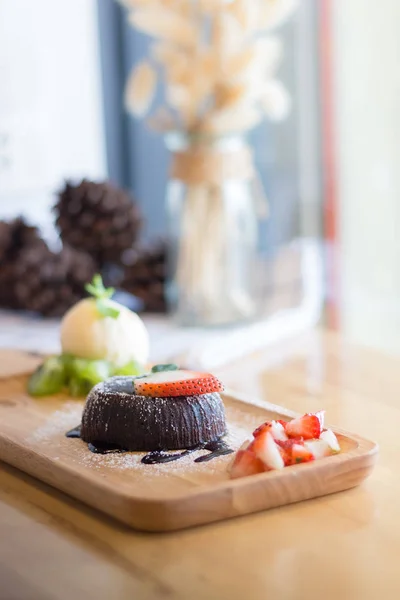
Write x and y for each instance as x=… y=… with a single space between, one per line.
x=85 y=333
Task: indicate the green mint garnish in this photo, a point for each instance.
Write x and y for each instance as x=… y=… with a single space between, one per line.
x=106 y=310
x=160 y=368
x=102 y=295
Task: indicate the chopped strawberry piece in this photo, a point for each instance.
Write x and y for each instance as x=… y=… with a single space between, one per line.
x=265 y=448
x=321 y=416
x=301 y=454
x=262 y=429
x=330 y=438
x=286 y=449
x=274 y=428
x=246 y=463
x=318 y=448
x=307 y=427
x=177 y=383
x=245 y=445
x=298 y=439
x=278 y=431
x=277 y=444
x=292 y=440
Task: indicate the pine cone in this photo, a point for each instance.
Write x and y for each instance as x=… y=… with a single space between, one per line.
x=15 y=236
x=98 y=219
x=144 y=275
x=5 y=240
x=7 y=286
x=49 y=283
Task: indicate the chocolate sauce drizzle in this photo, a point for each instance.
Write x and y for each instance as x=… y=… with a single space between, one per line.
x=74 y=433
x=215 y=448
x=161 y=456
x=104 y=448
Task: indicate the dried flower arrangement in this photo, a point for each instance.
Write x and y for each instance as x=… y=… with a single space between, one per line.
x=217 y=60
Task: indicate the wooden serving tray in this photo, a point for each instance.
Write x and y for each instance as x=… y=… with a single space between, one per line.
x=167 y=496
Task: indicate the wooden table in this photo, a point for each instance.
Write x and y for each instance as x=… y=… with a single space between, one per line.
x=345 y=546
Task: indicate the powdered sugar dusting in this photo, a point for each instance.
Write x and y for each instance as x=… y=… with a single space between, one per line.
x=184 y=472
x=67 y=417
x=183 y=467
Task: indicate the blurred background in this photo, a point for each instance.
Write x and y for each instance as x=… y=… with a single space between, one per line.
x=329 y=170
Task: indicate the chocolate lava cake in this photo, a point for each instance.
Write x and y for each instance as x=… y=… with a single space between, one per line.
x=118 y=411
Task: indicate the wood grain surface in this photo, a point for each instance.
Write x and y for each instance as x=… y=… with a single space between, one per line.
x=169 y=496
x=342 y=546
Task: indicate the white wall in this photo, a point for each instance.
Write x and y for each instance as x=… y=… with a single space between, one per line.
x=367 y=60
x=50 y=101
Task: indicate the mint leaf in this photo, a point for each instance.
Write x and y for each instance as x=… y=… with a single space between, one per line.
x=48 y=379
x=106 y=310
x=79 y=388
x=97 y=290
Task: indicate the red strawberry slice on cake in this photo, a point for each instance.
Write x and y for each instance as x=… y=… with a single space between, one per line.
x=177 y=383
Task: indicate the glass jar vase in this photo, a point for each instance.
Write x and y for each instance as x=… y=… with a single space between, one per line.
x=212 y=231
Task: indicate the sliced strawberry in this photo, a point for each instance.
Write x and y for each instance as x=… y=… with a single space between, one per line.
x=307 y=427
x=245 y=445
x=245 y=463
x=262 y=429
x=300 y=454
x=177 y=383
x=321 y=416
x=297 y=440
x=330 y=438
x=318 y=448
x=286 y=450
x=265 y=448
x=275 y=429
x=283 y=423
